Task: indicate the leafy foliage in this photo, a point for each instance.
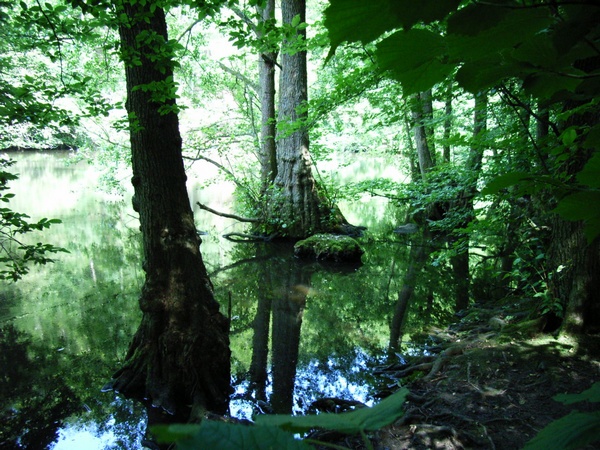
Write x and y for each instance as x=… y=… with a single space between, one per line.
x=573 y=431
x=275 y=431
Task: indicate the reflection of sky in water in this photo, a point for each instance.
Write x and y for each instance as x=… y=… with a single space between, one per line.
x=346 y=379
x=84 y=437
x=343 y=378
x=123 y=432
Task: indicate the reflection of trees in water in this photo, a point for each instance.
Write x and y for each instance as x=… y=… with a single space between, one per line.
x=79 y=328
x=43 y=391
x=34 y=402
x=279 y=284
x=292 y=286
x=347 y=320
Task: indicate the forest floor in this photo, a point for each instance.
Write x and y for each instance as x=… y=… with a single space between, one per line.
x=489 y=386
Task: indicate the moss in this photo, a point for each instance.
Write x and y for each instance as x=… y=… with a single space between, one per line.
x=329 y=247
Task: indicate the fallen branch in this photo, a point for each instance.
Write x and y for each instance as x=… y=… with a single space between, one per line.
x=229 y=216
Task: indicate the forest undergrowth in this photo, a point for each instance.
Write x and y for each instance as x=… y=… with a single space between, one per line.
x=485 y=382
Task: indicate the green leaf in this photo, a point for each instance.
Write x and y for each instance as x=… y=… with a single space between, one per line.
x=501 y=38
x=479 y=75
x=590 y=174
x=296 y=20
x=570 y=432
x=568 y=136
x=592 y=139
x=591 y=395
x=227 y=436
x=545 y=85
x=474 y=19
x=577 y=207
x=364 y=419
x=504 y=181
x=365 y=21
x=415 y=58
x=358 y=20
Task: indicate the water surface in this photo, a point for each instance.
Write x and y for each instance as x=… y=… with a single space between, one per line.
x=300 y=331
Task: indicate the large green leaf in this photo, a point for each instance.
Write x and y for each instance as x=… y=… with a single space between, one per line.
x=545 y=85
x=358 y=20
x=477 y=76
x=590 y=174
x=591 y=395
x=570 y=432
x=364 y=419
x=582 y=205
x=365 y=21
x=505 y=181
x=577 y=206
x=227 y=436
x=514 y=28
x=415 y=58
x=473 y=19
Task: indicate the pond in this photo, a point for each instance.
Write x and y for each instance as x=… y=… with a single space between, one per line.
x=299 y=332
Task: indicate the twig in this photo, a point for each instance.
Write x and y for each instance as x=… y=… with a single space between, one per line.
x=229 y=216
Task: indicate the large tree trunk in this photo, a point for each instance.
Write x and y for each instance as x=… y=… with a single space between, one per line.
x=575 y=268
x=266 y=75
x=297 y=207
x=179 y=357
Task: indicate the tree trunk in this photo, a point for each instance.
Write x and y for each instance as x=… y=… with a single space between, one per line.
x=417 y=106
x=297 y=207
x=464 y=207
x=179 y=357
x=447 y=122
x=575 y=269
x=573 y=263
x=266 y=75
x=427 y=120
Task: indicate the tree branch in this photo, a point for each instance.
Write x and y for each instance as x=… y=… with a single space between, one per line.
x=229 y=216
x=244 y=79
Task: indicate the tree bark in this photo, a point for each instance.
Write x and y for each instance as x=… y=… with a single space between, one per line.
x=179 y=357
x=573 y=263
x=464 y=207
x=447 y=122
x=417 y=105
x=266 y=74
x=297 y=208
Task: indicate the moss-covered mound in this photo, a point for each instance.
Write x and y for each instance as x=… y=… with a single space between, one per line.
x=329 y=247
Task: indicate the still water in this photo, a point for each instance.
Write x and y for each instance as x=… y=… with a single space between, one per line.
x=299 y=332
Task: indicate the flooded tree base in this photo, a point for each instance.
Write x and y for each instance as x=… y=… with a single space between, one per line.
x=329 y=247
